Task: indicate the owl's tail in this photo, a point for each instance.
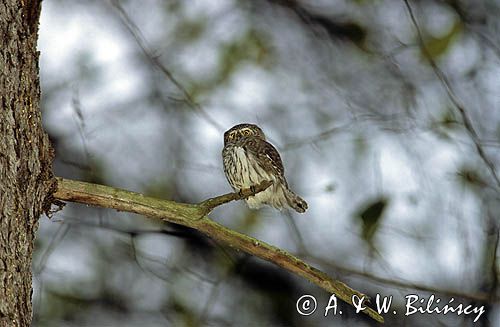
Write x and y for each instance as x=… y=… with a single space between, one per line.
x=295 y=201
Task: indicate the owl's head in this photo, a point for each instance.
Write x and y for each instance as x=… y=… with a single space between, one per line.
x=243 y=130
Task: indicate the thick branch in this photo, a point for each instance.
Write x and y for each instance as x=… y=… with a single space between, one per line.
x=189 y=215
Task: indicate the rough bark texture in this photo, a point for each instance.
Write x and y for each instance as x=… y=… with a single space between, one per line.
x=25 y=157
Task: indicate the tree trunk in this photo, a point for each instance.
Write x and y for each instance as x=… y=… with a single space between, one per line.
x=25 y=157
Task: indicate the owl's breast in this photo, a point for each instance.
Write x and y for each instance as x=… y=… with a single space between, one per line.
x=242 y=169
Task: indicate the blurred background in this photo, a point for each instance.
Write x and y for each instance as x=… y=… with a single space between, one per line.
x=386 y=115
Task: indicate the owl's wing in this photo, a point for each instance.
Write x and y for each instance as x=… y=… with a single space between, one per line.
x=267 y=156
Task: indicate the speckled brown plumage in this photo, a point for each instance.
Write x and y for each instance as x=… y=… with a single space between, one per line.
x=249 y=159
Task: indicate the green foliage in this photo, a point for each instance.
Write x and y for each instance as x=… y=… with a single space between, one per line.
x=162 y=187
x=61 y=305
x=438 y=46
x=446 y=123
x=95 y=171
x=191 y=30
x=470 y=177
x=251 y=47
x=330 y=187
x=449 y=119
x=370 y=216
x=250 y=219
x=184 y=316
x=360 y=146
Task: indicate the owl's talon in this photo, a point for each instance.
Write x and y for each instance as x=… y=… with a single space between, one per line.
x=245 y=192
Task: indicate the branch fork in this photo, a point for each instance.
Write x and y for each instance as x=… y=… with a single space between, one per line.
x=208 y=205
x=195 y=216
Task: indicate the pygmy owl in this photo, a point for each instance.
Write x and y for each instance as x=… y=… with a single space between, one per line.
x=249 y=160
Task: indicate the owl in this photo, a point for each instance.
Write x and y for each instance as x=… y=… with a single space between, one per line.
x=249 y=160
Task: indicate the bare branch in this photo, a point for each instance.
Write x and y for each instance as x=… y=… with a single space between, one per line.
x=453 y=97
x=209 y=204
x=141 y=42
x=189 y=215
x=404 y=284
x=316 y=138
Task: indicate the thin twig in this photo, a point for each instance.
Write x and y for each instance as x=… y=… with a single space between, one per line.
x=453 y=98
x=188 y=215
x=141 y=42
x=316 y=138
x=209 y=204
x=403 y=284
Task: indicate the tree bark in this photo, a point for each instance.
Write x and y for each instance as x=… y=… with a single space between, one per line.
x=25 y=157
